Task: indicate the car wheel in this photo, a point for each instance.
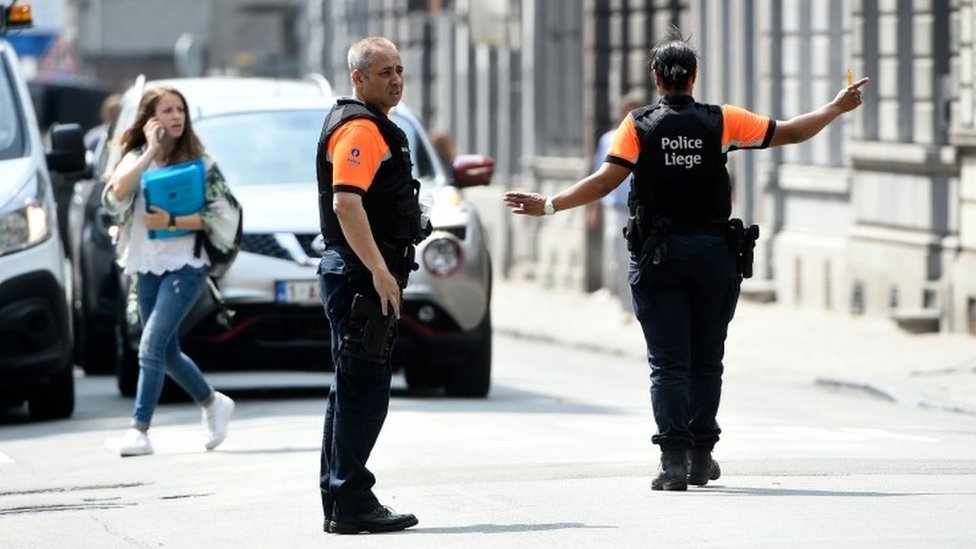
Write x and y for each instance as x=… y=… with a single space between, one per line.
x=421 y=379
x=96 y=342
x=127 y=366
x=126 y=354
x=472 y=377
x=56 y=399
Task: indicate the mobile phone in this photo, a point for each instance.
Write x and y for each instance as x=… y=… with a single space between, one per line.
x=160 y=133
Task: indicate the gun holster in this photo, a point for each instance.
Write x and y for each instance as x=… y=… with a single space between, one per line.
x=742 y=240
x=368 y=334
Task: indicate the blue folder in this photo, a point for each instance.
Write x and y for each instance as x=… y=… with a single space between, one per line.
x=178 y=189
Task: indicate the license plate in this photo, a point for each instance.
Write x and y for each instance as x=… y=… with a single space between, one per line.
x=304 y=292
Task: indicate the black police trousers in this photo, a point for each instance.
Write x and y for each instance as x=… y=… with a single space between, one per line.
x=684 y=306
x=359 y=397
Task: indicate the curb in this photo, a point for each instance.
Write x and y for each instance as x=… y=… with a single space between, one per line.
x=897 y=395
x=547 y=338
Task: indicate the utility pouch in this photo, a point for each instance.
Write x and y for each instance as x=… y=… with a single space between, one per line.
x=368 y=334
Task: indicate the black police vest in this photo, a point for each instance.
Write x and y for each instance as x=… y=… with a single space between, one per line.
x=391 y=201
x=681 y=171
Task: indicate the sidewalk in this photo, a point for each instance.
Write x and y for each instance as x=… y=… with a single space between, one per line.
x=767 y=340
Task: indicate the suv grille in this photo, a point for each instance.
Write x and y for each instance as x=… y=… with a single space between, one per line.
x=268 y=245
x=263 y=244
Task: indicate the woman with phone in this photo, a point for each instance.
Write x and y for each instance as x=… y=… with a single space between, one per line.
x=170 y=274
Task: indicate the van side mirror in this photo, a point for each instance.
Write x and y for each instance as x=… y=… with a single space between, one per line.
x=67 y=152
x=473 y=170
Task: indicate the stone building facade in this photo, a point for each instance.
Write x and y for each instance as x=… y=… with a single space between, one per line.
x=876 y=215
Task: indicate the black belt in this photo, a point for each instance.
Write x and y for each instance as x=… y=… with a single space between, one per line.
x=694 y=226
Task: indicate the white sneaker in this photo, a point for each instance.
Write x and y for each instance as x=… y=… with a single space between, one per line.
x=215 y=418
x=135 y=443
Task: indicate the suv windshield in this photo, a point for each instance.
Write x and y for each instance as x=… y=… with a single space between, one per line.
x=278 y=147
x=11 y=132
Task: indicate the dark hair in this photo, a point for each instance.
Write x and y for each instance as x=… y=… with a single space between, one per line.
x=674 y=60
x=187 y=147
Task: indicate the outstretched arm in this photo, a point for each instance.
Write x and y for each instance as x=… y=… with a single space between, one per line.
x=805 y=126
x=592 y=187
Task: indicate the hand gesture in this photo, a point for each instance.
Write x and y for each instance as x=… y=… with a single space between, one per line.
x=523 y=203
x=849 y=98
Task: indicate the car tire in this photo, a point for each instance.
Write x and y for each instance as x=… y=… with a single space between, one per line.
x=471 y=378
x=126 y=355
x=55 y=399
x=126 y=365
x=97 y=352
x=96 y=346
x=422 y=379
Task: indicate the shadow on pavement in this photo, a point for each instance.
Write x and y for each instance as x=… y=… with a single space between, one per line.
x=505 y=528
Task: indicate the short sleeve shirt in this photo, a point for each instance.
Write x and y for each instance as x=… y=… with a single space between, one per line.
x=356 y=151
x=741 y=129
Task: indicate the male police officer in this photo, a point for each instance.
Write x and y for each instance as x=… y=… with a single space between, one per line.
x=370 y=219
x=688 y=256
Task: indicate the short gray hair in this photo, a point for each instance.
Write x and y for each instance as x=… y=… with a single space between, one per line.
x=361 y=53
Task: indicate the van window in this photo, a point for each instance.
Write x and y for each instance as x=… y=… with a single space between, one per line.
x=11 y=119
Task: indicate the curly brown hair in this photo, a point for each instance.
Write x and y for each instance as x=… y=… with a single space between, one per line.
x=187 y=147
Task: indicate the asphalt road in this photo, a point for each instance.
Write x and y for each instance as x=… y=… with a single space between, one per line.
x=557 y=456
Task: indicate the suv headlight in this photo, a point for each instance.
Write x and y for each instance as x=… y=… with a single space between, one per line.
x=25 y=220
x=442 y=256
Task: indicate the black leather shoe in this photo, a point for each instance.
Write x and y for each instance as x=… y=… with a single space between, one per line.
x=702 y=468
x=673 y=473
x=381 y=519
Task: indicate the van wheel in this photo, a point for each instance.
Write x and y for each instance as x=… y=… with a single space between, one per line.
x=472 y=377
x=55 y=399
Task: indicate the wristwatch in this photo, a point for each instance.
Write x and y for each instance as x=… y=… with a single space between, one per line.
x=549 y=208
x=171 y=226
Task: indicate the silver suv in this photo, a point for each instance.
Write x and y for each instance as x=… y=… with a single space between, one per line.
x=263 y=134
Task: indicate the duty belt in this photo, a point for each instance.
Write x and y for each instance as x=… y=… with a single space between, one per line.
x=697 y=226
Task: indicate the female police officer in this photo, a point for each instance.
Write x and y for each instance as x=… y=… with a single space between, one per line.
x=685 y=267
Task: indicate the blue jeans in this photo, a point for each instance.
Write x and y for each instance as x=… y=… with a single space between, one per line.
x=358 y=399
x=164 y=300
x=684 y=306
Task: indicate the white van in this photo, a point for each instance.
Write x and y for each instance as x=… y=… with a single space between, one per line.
x=36 y=362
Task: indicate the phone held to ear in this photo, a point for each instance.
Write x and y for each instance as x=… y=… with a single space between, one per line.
x=160 y=133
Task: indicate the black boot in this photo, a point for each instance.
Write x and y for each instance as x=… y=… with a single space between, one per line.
x=673 y=473
x=702 y=468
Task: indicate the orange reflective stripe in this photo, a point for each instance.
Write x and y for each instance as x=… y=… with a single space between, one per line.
x=625 y=144
x=742 y=129
x=356 y=150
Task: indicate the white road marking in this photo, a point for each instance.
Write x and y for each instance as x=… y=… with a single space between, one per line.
x=5 y=459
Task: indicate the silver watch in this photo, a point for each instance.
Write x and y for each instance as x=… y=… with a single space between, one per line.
x=549 y=208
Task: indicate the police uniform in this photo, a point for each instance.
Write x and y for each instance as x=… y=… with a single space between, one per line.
x=683 y=273
x=361 y=151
